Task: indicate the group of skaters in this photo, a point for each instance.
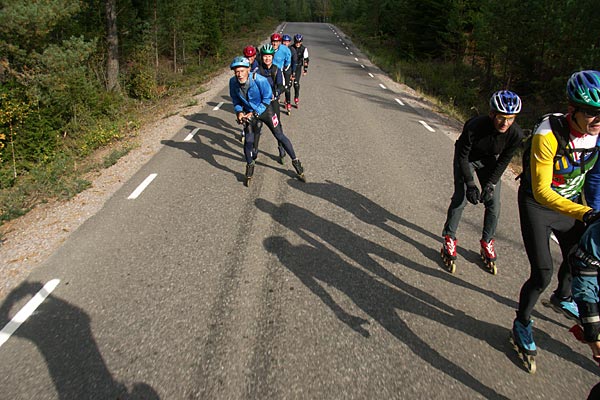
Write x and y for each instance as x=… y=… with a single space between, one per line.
x=559 y=191
x=261 y=76
x=559 y=194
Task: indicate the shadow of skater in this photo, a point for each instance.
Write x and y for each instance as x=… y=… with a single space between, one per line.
x=372 y=213
x=318 y=267
x=63 y=335
x=359 y=285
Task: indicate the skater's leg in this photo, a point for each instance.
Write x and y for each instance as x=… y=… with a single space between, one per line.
x=491 y=215
x=274 y=124
x=457 y=203
x=297 y=85
x=535 y=229
x=249 y=142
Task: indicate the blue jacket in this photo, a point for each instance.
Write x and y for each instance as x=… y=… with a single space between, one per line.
x=591 y=187
x=282 y=57
x=259 y=94
x=585 y=263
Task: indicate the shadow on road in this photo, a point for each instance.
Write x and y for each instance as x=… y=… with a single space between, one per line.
x=372 y=213
x=319 y=268
x=63 y=335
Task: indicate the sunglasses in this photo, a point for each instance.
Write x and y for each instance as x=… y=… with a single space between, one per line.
x=590 y=112
x=505 y=118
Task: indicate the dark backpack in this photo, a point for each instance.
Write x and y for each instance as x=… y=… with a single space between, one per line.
x=562 y=133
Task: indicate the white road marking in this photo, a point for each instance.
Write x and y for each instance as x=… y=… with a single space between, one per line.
x=399 y=102
x=362 y=66
x=347 y=48
x=352 y=54
x=355 y=59
x=191 y=135
x=218 y=106
x=381 y=86
x=371 y=75
x=430 y=129
x=142 y=186
x=27 y=310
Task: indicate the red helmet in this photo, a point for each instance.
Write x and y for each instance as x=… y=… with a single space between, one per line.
x=276 y=37
x=249 y=51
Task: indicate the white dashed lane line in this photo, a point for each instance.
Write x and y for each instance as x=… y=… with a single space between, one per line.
x=371 y=75
x=135 y=194
x=26 y=311
x=430 y=129
x=399 y=102
x=382 y=86
x=218 y=106
x=362 y=66
x=355 y=59
x=191 y=135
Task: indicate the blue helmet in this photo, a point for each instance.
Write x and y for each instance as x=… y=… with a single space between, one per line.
x=298 y=38
x=240 y=61
x=505 y=102
x=287 y=38
x=583 y=88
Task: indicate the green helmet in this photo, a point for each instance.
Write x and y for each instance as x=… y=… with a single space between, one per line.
x=583 y=89
x=267 y=49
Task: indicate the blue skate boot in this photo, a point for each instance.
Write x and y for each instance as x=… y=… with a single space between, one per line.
x=567 y=307
x=521 y=338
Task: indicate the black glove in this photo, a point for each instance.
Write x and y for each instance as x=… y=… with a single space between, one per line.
x=591 y=216
x=487 y=192
x=473 y=194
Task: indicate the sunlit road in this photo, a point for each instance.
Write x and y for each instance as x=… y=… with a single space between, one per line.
x=194 y=286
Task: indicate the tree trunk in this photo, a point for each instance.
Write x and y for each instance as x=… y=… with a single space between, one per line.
x=112 y=40
x=174 y=51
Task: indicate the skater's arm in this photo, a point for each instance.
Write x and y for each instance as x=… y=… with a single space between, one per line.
x=543 y=150
x=462 y=150
x=515 y=139
x=592 y=187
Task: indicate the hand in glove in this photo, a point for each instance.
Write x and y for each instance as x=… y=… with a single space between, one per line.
x=487 y=192
x=473 y=194
x=591 y=216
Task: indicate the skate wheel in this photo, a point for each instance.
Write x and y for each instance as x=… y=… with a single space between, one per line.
x=527 y=360
x=302 y=178
x=248 y=180
x=452 y=267
x=493 y=269
x=448 y=263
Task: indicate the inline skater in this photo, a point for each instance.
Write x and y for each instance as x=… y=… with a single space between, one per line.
x=250 y=54
x=301 y=65
x=290 y=72
x=485 y=147
x=283 y=59
x=563 y=149
x=585 y=262
x=251 y=96
x=275 y=78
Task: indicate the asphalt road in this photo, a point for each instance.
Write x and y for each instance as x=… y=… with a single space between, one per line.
x=201 y=288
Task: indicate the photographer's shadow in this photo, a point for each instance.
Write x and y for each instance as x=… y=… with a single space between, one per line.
x=62 y=333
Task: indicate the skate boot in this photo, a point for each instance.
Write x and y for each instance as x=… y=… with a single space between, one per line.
x=296 y=101
x=488 y=255
x=288 y=108
x=299 y=170
x=448 y=253
x=567 y=307
x=249 y=173
x=521 y=338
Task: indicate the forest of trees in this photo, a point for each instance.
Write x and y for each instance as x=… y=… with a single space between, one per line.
x=71 y=71
x=530 y=47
